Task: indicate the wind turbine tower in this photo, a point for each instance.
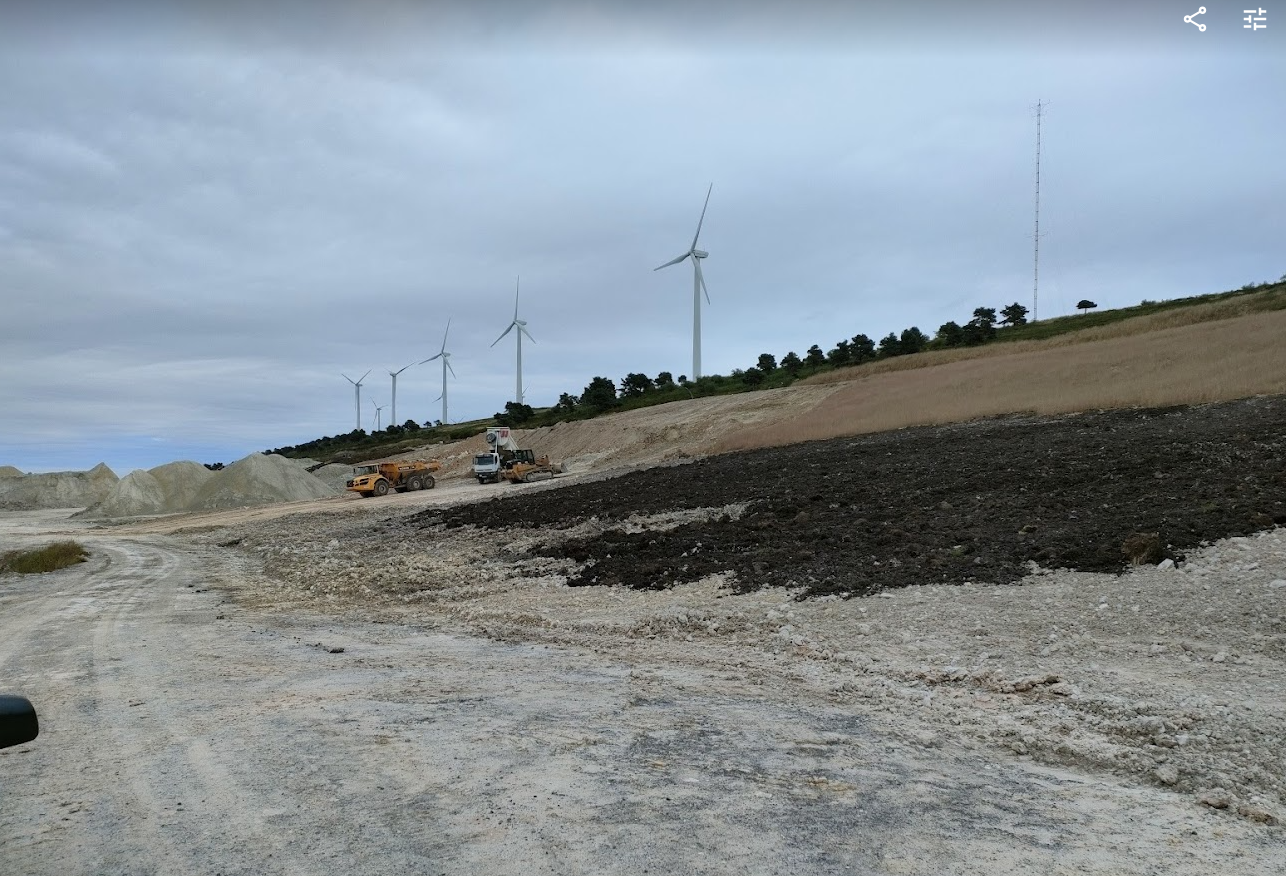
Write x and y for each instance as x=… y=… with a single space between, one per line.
x=394 y=374
x=698 y=286
x=521 y=325
x=357 y=395
x=446 y=366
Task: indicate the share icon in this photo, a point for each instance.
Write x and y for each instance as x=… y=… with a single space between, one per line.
x=1187 y=19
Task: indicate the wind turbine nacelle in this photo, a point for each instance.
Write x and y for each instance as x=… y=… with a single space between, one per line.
x=700 y=254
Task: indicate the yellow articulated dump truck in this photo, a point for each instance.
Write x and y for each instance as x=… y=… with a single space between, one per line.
x=376 y=479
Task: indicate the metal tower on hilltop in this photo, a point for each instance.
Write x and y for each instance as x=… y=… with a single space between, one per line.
x=1035 y=280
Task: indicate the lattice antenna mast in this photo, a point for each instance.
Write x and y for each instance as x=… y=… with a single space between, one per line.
x=1035 y=281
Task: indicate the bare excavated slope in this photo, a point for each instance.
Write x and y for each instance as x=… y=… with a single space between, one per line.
x=189 y=486
x=64 y=489
x=257 y=480
x=648 y=436
x=1191 y=364
x=165 y=489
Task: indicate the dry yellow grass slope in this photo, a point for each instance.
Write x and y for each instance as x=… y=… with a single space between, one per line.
x=1121 y=367
x=1212 y=352
x=1270 y=301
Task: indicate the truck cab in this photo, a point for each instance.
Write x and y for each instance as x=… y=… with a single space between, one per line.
x=364 y=479
x=486 y=467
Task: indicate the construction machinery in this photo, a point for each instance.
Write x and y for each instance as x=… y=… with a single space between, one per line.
x=505 y=459
x=376 y=479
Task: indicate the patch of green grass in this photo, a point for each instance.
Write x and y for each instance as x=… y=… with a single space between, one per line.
x=58 y=555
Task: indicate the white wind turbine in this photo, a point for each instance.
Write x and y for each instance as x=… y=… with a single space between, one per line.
x=446 y=365
x=378 y=409
x=394 y=374
x=521 y=325
x=698 y=286
x=357 y=395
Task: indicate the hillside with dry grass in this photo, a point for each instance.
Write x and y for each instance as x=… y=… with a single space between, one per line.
x=1220 y=351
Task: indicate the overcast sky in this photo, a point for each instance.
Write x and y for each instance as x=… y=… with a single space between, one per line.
x=204 y=221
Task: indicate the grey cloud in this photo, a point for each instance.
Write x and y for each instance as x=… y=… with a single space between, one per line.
x=198 y=233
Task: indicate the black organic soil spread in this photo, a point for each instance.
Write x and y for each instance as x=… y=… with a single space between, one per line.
x=969 y=502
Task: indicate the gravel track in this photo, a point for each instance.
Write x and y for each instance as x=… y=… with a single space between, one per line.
x=177 y=740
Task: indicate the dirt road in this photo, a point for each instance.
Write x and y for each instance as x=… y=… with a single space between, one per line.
x=185 y=731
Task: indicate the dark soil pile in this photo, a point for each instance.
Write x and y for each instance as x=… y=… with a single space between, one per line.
x=969 y=502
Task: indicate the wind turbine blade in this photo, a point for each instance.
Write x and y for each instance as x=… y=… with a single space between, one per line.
x=349 y=379
x=673 y=261
x=447 y=362
x=701 y=279
x=368 y=371
x=523 y=329
x=430 y=359
x=444 y=337
x=516 y=282
x=506 y=331
x=703 y=216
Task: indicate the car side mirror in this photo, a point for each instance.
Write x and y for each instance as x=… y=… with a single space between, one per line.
x=17 y=721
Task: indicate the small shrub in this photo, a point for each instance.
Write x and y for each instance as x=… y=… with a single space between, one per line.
x=1143 y=548
x=58 y=555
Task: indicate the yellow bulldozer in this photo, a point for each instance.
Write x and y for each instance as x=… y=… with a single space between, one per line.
x=526 y=466
x=376 y=479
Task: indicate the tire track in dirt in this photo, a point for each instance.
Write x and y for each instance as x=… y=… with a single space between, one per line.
x=179 y=790
x=146 y=794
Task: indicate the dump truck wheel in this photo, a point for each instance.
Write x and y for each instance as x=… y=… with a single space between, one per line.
x=413 y=483
x=428 y=482
x=381 y=488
